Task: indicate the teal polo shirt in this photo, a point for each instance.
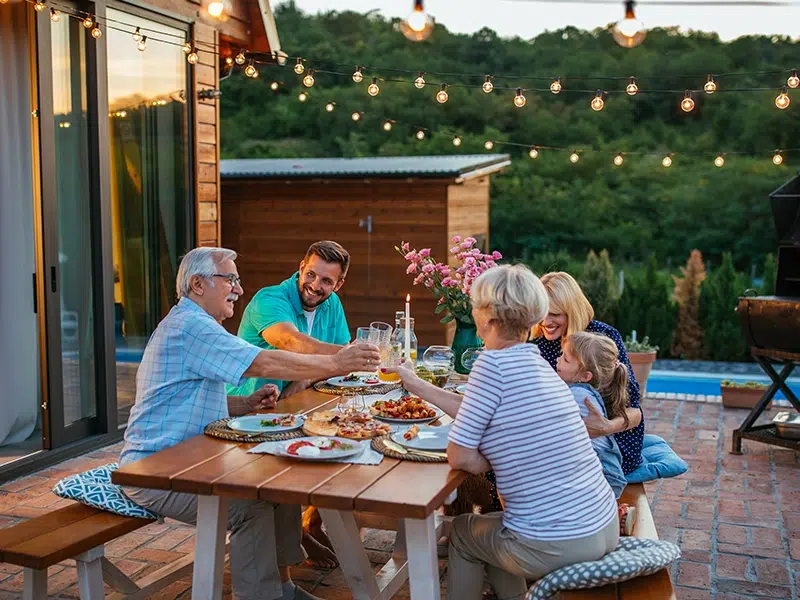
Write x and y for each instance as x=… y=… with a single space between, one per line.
x=281 y=304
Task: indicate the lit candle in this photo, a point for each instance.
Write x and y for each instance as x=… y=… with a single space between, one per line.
x=408 y=327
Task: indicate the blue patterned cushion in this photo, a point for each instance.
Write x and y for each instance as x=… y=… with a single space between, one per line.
x=94 y=488
x=633 y=557
x=659 y=461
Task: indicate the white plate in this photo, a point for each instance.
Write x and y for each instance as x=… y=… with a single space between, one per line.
x=340 y=382
x=428 y=438
x=252 y=423
x=395 y=395
x=355 y=447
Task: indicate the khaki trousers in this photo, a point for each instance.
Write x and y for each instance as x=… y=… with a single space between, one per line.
x=479 y=542
x=261 y=539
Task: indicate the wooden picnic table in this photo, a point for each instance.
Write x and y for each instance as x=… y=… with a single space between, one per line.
x=216 y=470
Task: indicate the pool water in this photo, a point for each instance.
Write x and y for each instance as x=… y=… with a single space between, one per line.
x=680 y=382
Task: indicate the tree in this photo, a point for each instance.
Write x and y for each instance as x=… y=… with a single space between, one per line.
x=722 y=334
x=688 y=340
x=600 y=285
x=770 y=275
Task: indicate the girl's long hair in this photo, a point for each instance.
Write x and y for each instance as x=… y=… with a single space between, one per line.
x=599 y=355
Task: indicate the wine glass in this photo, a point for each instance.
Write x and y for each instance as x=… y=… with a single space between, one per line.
x=469 y=357
x=439 y=358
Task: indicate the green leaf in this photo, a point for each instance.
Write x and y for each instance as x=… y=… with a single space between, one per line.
x=439 y=308
x=447 y=319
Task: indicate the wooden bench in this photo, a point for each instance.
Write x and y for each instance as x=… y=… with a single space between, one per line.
x=80 y=532
x=657 y=586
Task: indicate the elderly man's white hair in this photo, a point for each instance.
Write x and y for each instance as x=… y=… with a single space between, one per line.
x=202 y=262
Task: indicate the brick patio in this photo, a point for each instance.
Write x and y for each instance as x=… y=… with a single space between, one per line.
x=736 y=518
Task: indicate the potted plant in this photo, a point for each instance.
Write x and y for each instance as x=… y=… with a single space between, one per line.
x=642 y=355
x=741 y=395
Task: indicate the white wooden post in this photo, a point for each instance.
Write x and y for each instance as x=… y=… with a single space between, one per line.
x=90 y=574
x=35 y=584
x=209 y=547
x=423 y=564
x=343 y=533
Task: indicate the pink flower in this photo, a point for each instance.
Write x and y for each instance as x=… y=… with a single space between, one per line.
x=456 y=239
x=419 y=279
x=425 y=252
x=466 y=244
x=445 y=271
x=428 y=269
x=441 y=300
x=429 y=283
x=406 y=247
x=411 y=255
x=469 y=261
x=454 y=250
x=471 y=240
x=496 y=255
x=412 y=268
x=476 y=252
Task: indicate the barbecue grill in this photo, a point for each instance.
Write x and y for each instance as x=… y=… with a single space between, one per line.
x=771 y=324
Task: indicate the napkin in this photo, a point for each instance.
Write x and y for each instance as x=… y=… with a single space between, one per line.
x=367 y=457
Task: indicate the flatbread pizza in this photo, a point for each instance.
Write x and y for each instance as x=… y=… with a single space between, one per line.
x=330 y=423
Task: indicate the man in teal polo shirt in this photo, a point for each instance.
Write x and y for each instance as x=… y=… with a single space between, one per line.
x=302 y=314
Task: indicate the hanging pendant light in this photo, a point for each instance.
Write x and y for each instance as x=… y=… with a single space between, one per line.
x=630 y=31
x=418 y=25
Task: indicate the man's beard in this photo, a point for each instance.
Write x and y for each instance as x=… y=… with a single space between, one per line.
x=309 y=299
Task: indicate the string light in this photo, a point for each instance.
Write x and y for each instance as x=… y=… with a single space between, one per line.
x=519 y=99
x=418 y=25
x=573 y=158
x=274 y=86
x=358 y=76
x=187 y=48
x=456 y=141
x=141 y=46
x=489 y=144
x=632 y=89
x=420 y=134
x=308 y=80
x=88 y=23
x=215 y=9
x=710 y=86
x=330 y=106
x=555 y=87
x=373 y=89
x=54 y=16
x=666 y=162
x=229 y=61
x=299 y=67
x=302 y=96
x=487 y=86
x=250 y=70
x=687 y=104
x=630 y=31
x=419 y=82
x=137 y=35
x=783 y=100
x=240 y=58
x=793 y=80
x=533 y=152
x=777 y=158
x=618 y=160
x=387 y=125
x=597 y=102
x=441 y=95
x=38 y=6
x=719 y=160
x=356 y=116
x=193 y=57
x=96 y=33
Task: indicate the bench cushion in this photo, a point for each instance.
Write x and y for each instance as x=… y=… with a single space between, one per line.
x=94 y=488
x=659 y=461
x=633 y=557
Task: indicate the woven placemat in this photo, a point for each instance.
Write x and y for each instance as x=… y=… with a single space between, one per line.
x=326 y=388
x=220 y=429
x=379 y=444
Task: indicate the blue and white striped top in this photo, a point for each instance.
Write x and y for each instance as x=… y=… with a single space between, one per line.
x=522 y=417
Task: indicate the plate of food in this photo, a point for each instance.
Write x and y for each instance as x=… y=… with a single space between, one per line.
x=354 y=380
x=331 y=423
x=272 y=423
x=423 y=437
x=400 y=406
x=319 y=448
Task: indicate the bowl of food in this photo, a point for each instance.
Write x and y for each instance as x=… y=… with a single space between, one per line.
x=435 y=375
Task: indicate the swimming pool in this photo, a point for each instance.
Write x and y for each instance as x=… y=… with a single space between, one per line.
x=681 y=382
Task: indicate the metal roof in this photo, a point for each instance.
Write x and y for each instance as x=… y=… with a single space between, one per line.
x=382 y=166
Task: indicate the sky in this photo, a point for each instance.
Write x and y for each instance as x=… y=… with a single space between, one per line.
x=529 y=18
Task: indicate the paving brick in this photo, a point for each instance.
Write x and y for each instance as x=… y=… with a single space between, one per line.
x=694 y=574
x=772 y=571
x=761 y=590
x=695 y=540
x=684 y=593
x=154 y=556
x=731 y=566
x=766 y=538
x=170 y=539
x=731 y=534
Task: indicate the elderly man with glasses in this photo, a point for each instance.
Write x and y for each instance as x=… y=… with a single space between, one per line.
x=180 y=388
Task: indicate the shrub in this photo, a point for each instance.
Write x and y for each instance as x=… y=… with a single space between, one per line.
x=722 y=334
x=600 y=286
x=688 y=340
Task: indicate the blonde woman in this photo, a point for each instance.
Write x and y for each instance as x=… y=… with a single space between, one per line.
x=571 y=312
x=518 y=418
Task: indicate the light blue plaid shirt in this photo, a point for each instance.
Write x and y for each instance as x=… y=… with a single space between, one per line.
x=180 y=386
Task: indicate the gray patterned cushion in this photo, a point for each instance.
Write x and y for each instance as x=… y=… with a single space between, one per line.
x=631 y=558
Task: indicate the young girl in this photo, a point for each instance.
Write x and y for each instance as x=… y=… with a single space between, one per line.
x=589 y=364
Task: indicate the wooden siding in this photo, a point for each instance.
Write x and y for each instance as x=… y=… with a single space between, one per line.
x=468 y=209
x=236 y=26
x=271 y=223
x=206 y=135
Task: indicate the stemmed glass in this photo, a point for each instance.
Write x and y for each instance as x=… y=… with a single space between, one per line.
x=469 y=357
x=438 y=358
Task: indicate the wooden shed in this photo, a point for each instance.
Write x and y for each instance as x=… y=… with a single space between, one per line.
x=273 y=209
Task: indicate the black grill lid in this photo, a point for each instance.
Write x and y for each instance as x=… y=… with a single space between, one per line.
x=785 y=203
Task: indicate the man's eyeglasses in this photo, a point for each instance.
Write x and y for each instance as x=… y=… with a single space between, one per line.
x=232 y=278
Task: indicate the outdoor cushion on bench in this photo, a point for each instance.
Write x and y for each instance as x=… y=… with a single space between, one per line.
x=659 y=461
x=633 y=557
x=94 y=488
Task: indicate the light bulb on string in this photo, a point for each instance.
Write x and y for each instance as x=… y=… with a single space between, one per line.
x=38 y=6
x=308 y=80
x=619 y=159
x=419 y=82
x=418 y=25
x=373 y=89
x=687 y=104
x=630 y=31
x=54 y=16
x=597 y=102
x=710 y=86
x=777 y=158
x=487 y=86
x=358 y=76
x=632 y=89
x=96 y=33
x=250 y=70
x=456 y=141
x=299 y=67
x=240 y=58
x=573 y=158
x=719 y=160
x=141 y=46
x=441 y=95
x=137 y=35
x=387 y=125
x=666 y=162
x=533 y=152
x=88 y=23
x=489 y=144
x=783 y=100
x=555 y=87
x=519 y=99
x=274 y=85
x=215 y=9
x=330 y=106
x=356 y=116
x=193 y=57
x=793 y=80
x=187 y=48
x=420 y=134
x=228 y=61
x=302 y=96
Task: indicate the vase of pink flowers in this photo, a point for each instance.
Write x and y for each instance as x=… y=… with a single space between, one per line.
x=450 y=285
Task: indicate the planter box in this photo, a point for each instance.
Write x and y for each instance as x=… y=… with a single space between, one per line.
x=641 y=363
x=739 y=397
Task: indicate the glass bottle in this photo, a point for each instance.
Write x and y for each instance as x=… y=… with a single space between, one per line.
x=401 y=339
